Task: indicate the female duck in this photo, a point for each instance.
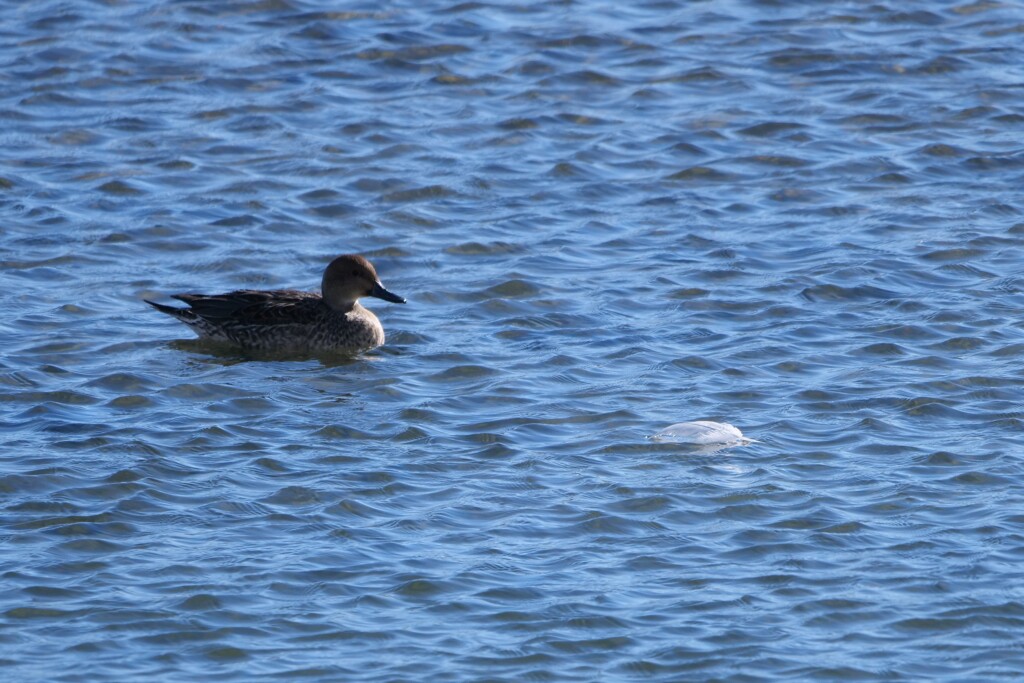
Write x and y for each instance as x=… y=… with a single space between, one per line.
x=290 y=320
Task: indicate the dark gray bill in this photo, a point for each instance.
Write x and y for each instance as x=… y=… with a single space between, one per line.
x=381 y=293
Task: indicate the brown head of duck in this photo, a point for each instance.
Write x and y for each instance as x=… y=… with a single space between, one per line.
x=350 y=277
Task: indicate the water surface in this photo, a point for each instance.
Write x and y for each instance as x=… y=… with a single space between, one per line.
x=801 y=218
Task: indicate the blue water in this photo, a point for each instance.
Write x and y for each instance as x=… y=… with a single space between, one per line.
x=804 y=219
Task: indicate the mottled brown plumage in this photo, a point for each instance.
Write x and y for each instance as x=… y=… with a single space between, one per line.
x=292 y=320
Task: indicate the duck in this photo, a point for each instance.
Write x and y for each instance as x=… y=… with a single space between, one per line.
x=288 y=320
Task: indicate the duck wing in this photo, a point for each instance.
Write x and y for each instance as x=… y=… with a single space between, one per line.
x=257 y=307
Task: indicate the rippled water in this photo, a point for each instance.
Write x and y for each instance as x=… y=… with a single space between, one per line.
x=801 y=218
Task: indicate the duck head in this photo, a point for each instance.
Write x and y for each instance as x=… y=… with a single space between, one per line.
x=349 y=277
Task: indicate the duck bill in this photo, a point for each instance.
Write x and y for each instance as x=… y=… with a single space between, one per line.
x=381 y=293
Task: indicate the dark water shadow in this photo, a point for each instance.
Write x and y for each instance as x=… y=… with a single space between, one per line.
x=224 y=353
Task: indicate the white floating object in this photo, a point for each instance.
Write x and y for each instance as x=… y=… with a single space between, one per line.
x=702 y=433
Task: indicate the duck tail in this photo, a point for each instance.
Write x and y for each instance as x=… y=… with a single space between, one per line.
x=179 y=313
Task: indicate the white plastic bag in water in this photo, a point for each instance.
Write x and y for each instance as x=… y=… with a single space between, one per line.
x=702 y=433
